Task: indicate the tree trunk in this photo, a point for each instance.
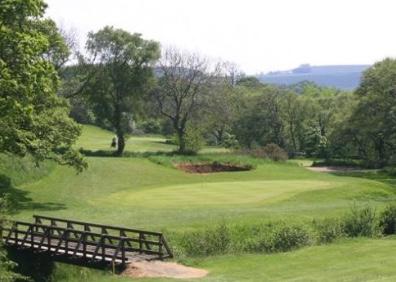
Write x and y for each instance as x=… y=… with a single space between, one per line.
x=219 y=136
x=182 y=141
x=120 y=144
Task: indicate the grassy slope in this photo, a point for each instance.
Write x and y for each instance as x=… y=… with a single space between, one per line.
x=349 y=260
x=137 y=192
x=94 y=138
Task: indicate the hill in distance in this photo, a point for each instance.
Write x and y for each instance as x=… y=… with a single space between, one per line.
x=346 y=77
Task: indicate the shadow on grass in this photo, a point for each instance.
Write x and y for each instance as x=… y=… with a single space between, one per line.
x=20 y=199
x=41 y=266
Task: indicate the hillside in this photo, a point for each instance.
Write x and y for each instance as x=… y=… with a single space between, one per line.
x=149 y=192
x=346 y=77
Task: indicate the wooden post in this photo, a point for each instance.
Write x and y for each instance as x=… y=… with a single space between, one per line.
x=122 y=251
x=67 y=242
x=32 y=237
x=160 y=246
x=49 y=237
x=84 y=241
x=15 y=227
x=140 y=242
x=103 y=249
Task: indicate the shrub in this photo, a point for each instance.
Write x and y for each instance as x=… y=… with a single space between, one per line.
x=391 y=171
x=387 y=220
x=288 y=237
x=230 y=141
x=194 y=140
x=210 y=241
x=277 y=237
x=270 y=151
x=361 y=221
x=328 y=230
x=150 y=126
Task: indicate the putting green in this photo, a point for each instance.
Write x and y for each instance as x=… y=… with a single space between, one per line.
x=256 y=193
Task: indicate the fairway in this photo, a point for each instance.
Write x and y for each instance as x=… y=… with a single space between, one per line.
x=137 y=192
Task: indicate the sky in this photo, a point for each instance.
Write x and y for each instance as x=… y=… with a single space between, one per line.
x=257 y=35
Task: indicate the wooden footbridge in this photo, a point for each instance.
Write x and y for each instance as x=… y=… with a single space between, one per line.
x=88 y=241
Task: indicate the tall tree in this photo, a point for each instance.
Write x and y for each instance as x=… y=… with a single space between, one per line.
x=293 y=114
x=261 y=121
x=222 y=103
x=33 y=119
x=183 y=82
x=121 y=64
x=372 y=125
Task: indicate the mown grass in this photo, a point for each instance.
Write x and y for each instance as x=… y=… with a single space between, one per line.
x=347 y=260
x=94 y=138
x=149 y=193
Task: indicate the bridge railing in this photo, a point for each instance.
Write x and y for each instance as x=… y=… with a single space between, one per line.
x=147 y=239
x=66 y=241
x=84 y=239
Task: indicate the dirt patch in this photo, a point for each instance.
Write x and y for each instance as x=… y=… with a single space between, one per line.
x=140 y=269
x=332 y=168
x=212 y=167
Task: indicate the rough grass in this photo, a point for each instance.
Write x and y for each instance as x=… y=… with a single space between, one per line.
x=150 y=193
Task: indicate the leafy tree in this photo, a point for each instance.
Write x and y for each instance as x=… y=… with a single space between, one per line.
x=293 y=111
x=221 y=109
x=58 y=51
x=120 y=72
x=372 y=125
x=261 y=122
x=182 y=87
x=33 y=119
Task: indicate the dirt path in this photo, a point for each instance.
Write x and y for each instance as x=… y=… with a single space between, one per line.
x=140 y=269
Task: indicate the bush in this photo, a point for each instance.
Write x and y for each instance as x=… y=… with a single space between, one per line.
x=270 y=151
x=387 y=220
x=268 y=238
x=328 y=230
x=211 y=241
x=150 y=126
x=391 y=170
x=288 y=237
x=271 y=237
x=194 y=140
x=230 y=141
x=361 y=222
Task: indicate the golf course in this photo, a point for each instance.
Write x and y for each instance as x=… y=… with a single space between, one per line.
x=146 y=190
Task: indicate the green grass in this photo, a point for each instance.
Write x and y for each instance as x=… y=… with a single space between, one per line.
x=150 y=193
x=348 y=260
x=94 y=138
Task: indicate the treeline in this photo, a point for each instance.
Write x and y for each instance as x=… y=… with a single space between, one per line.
x=130 y=85
x=126 y=85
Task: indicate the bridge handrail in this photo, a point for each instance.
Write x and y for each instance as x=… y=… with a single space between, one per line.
x=100 y=235
x=144 y=245
x=111 y=227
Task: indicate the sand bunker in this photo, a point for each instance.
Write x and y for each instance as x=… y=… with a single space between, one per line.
x=140 y=269
x=332 y=168
x=211 y=167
